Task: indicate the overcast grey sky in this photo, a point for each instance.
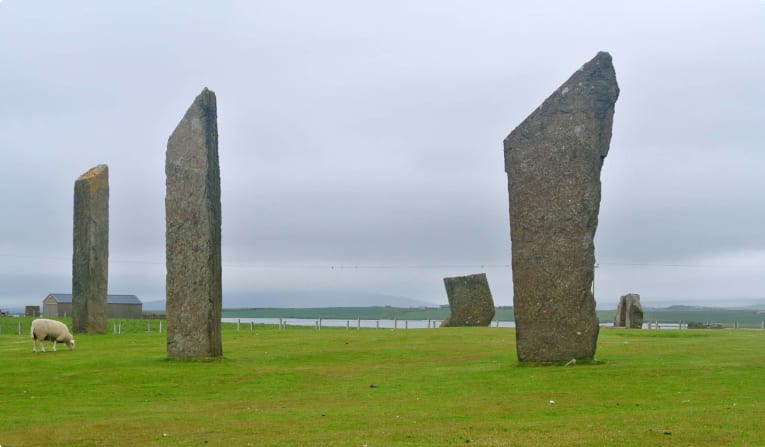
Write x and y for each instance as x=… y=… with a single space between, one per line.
x=367 y=136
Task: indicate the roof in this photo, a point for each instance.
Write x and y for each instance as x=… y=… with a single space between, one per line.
x=110 y=299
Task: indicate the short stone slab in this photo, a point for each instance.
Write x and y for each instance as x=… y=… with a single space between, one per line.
x=629 y=312
x=470 y=301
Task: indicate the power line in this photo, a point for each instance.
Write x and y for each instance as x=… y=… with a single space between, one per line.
x=699 y=266
x=390 y=266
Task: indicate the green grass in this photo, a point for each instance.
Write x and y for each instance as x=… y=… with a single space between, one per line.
x=338 y=387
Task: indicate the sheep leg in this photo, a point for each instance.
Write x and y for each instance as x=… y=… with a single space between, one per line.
x=34 y=345
x=54 y=345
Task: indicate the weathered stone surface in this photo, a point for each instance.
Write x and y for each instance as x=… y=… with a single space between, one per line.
x=193 y=235
x=553 y=161
x=629 y=312
x=470 y=301
x=90 y=258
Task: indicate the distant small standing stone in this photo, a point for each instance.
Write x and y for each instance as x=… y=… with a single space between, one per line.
x=629 y=312
x=470 y=301
x=90 y=259
x=553 y=161
x=193 y=236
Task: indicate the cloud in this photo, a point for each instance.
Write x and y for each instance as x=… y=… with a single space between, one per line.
x=364 y=134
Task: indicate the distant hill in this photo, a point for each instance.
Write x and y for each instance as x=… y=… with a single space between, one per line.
x=317 y=298
x=306 y=299
x=682 y=307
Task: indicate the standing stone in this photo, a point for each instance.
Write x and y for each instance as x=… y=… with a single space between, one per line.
x=629 y=312
x=90 y=258
x=470 y=301
x=553 y=161
x=193 y=214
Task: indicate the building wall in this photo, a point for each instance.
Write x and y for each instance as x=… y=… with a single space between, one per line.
x=64 y=309
x=50 y=307
x=53 y=309
x=124 y=310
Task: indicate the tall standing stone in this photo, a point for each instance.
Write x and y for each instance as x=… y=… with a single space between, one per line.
x=553 y=161
x=193 y=235
x=470 y=301
x=629 y=312
x=90 y=258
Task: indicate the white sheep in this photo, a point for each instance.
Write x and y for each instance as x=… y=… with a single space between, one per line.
x=55 y=331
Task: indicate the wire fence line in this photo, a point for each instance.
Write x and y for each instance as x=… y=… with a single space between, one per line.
x=20 y=326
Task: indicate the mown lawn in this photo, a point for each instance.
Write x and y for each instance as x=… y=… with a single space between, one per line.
x=419 y=387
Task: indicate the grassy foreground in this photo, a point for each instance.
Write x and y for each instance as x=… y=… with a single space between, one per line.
x=334 y=387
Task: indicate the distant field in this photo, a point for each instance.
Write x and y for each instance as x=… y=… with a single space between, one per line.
x=726 y=317
x=345 y=313
x=370 y=387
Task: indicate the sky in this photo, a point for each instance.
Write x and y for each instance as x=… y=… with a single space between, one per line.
x=361 y=142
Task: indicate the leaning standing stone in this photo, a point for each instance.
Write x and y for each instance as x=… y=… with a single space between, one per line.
x=470 y=301
x=553 y=161
x=193 y=234
x=90 y=258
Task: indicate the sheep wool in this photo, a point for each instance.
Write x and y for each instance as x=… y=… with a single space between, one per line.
x=55 y=331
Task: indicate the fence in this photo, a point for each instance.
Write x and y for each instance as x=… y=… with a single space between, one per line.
x=348 y=324
x=358 y=323
x=20 y=326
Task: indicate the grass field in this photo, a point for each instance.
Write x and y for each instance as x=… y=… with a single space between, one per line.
x=425 y=387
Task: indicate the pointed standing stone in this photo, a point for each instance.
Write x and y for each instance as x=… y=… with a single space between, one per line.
x=193 y=237
x=553 y=161
x=90 y=258
x=470 y=301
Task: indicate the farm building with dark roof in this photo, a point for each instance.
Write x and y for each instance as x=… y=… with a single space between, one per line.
x=117 y=306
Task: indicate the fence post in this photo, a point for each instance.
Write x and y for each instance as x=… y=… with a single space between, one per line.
x=160 y=326
x=238 y=320
x=358 y=324
x=378 y=324
x=347 y=325
x=395 y=323
x=428 y=323
x=114 y=328
x=251 y=326
x=406 y=324
x=19 y=328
